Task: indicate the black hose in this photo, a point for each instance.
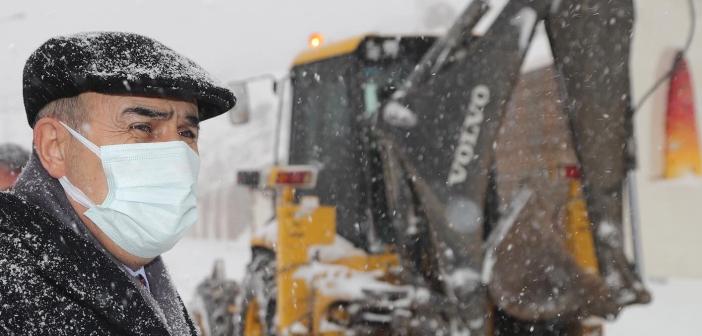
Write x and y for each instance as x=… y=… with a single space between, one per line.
x=669 y=73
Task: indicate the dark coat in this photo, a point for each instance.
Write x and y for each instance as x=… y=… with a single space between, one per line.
x=53 y=282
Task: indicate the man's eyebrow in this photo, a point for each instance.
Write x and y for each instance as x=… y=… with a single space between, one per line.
x=193 y=121
x=148 y=112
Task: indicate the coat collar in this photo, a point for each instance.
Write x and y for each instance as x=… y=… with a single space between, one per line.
x=75 y=265
x=38 y=188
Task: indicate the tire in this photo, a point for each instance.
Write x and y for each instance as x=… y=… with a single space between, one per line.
x=257 y=302
x=212 y=308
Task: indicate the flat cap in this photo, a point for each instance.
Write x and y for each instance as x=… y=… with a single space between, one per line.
x=117 y=63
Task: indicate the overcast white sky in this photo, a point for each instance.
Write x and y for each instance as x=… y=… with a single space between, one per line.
x=232 y=39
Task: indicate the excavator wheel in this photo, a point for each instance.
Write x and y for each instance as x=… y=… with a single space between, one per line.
x=212 y=308
x=257 y=302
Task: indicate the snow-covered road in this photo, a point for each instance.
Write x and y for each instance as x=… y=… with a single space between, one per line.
x=191 y=261
x=676 y=309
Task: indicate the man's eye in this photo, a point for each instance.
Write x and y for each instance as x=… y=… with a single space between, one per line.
x=146 y=128
x=188 y=134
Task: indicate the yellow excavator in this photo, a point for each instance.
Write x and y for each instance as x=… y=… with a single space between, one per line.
x=427 y=194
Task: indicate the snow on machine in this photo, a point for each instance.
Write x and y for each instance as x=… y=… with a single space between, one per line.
x=424 y=196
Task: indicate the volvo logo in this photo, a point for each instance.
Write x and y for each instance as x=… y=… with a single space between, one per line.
x=470 y=130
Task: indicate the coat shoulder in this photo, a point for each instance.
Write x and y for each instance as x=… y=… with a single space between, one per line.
x=14 y=214
x=18 y=235
x=15 y=211
x=30 y=302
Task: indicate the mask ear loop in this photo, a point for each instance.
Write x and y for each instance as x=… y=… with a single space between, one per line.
x=87 y=143
x=70 y=189
x=76 y=193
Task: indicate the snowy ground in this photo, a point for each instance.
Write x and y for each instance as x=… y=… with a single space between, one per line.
x=191 y=261
x=676 y=309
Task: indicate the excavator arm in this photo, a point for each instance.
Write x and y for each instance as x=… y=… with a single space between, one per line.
x=442 y=124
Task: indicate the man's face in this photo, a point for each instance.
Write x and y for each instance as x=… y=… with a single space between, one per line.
x=116 y=120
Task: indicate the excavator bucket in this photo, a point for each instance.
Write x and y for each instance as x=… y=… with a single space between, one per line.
x=534 y=277
x=545 y=265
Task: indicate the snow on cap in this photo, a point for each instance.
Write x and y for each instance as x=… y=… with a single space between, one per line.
x=117 y=63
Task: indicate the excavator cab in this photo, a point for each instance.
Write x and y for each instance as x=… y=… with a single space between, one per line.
x=337 y=92
x=331 y=224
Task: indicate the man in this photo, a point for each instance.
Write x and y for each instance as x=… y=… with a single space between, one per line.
x=12 y=159
x=109 y=187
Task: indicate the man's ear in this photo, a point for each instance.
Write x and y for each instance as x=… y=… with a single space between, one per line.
x=50 y=142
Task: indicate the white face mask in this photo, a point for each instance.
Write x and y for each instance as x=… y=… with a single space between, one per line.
x=151 y=199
